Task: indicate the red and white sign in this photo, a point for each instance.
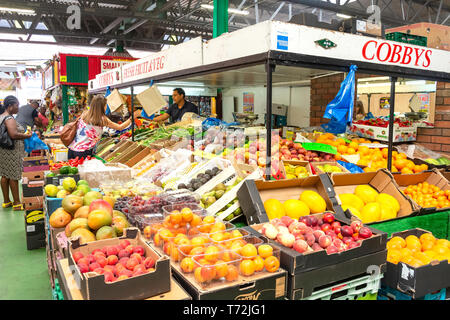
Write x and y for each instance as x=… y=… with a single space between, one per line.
x=109 y=78
x=106 y=65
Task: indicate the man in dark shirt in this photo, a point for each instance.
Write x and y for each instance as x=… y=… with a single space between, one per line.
x=178 y=108
x=28 y=115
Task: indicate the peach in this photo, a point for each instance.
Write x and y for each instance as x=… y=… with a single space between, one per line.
x=94 y=266
x=316 y=247
x=187 y=265
x=111 y=251
x=124 y=243
x=282 y=229
x=287 y=220
x=265 y=250
x=208 y=272
x=198 y=276
x=325 y=241
x=221 y=269
x=123 y=254
x=122 y=277
x=332 y=249
x=286 y=239
x=259 y=263
x=249 y=251
x=83 y=267
x=212 y=254
x=109 y=268
x=129 y=249
x=300 y=246
x=102 y=261
x=247 y=267
x=109 y=276
x=123 y=261
x=118 y=268
x=232 y=274
x=136 y=256
x=271 y=264
x=83 y=260
x=310 y=239
x=139 y=267
x=148 y=262
x=139 y=272
x=77 y=256
x=99 y=270
x=317 y=234
x=91 y=258
x=139 y=249
x=112 y=260
x=126 y=272
x=269 y=231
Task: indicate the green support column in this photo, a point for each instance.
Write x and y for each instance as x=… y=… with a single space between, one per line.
x=220 y=23
x=65 y=105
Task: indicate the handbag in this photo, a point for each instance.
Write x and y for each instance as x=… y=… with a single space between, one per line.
x=5 y=140
x=68 y=132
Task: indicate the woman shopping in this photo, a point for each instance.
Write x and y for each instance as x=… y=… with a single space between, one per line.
x=90 y=128
x=12 y=159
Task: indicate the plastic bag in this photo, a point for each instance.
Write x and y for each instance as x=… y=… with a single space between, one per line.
x=334 y=126
x=341 y=107
x=353 y=168
x=369 y=116
x=34 y=143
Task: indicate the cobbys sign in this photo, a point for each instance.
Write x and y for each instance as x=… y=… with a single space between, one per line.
x=381 y=51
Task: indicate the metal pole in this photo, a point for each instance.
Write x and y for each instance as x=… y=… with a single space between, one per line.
x=391 y=122
x=132 y=113
x=220 y=15
x=269 y=69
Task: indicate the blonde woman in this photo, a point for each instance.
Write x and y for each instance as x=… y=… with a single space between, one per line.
x=90 y=128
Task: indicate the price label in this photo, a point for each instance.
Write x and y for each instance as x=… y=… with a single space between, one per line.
x=321 y=147
x=63 y=78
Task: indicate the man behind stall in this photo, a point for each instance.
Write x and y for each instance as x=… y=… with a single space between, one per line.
x=178 y=108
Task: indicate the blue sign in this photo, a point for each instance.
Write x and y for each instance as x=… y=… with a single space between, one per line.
x=282 y=42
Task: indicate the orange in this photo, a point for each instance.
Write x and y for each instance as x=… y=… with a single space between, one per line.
x=407 y=259
x=412 y=242
x=353 y=145
x=400 y=163
x=440 y=249
x=417 y=168
x=410 y=165
x=208 y=220
x=427 y=237
x=427 y=245
x=259 y=263
x=247 y=267
x=338 y=156
x=405 y=252
x=402 y=155
x=271 y=264
x=430 y=253
x=363 y=150
x=342 y=149
x=340 y=141
x=394 y=256
x=232 y=274
x=415 y=263
x=443 y=242
x=265 y=250
x=406 y=170
x=221 y=269
x=195 y=221
x=399 y=242
x=248 y=251
x=422 y=257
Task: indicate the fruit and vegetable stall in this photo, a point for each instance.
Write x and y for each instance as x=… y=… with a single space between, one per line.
x=200 y=211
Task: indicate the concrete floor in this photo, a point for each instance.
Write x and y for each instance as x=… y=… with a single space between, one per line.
x=23 y=273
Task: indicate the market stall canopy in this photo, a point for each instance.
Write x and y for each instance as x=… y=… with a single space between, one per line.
x=287 y=44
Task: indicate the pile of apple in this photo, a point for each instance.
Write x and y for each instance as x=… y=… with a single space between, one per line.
x=117 y=262
x=294 y=151
x=310 y=234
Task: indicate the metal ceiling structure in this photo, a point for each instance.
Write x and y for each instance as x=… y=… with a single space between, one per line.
x=152 y=24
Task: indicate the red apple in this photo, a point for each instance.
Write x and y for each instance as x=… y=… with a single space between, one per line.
x=365 y=233
x=347 y=231
x=347 y=240
x=336 y=224
x=328 y=218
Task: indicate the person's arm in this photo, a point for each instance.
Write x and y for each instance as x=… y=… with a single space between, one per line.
x=11 y=126
x=124 y=125
x=162 y=117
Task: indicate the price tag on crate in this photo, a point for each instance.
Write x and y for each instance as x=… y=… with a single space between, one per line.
x=321 y=147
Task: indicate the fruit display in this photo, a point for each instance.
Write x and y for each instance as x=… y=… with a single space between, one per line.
x=378 y=122
x=116 y=263
x=369 y=205
x=66 y=165
x=200 y=179
x=216 y=193
x=90 y=219
x=68 y=186
x=417 y=251
x=441 y=161
x=295 y=171
x=294 y=151
x=370 y=158
x=315 y=233
x=133 y=188
x=309 y=202
x=329 y=168
x=428 y=195
x=236 y=213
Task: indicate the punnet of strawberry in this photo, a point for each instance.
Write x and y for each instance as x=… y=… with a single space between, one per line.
x=378 y=122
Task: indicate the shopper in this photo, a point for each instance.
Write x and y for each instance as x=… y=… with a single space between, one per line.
x=28 y=115
x=178 y=108
x=41 y=114
x=12 y=160
x=90 y=128
x=359 y=113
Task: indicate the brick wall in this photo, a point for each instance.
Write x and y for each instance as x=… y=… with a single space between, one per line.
x=323 y=90
x=438 y=138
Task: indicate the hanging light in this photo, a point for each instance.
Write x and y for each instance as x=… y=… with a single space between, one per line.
x=230 y=10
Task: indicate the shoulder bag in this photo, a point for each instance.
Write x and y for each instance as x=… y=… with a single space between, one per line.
x=68 y=132
x=5 y=140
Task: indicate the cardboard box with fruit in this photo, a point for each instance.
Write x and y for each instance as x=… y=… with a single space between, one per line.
x=372 y=196
x=119 y=268
x=292 y=169
x=417 y=263
x=429 y=190
x=328 y=167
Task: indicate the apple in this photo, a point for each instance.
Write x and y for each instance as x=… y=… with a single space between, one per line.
x=346 y=231
x=355 y=237
x=300 y=246
x=328 y=218
x=356 y=225
x=365 y=233
x=353 y=244
x=331 y=233
x=347 y=240
x=325 y=241
x=316 y=247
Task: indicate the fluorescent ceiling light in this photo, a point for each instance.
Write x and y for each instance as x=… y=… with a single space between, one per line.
x=230 y=10
x=24 y=11
x=344 y=16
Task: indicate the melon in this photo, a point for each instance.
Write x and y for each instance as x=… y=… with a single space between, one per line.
x=314 y=201
x=366 y=193
x=351 y=200
x=274 y=208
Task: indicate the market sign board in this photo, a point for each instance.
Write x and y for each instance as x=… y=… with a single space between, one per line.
x=303 y=40
x=107 y=65
x=180 y=57
x=48 y=78
x=110 y=78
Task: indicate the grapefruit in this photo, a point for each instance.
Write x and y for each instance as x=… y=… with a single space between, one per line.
x=295 y=208
x=366 y=193
x=351 y=200
x=371 y=212
x=314 y=201
x=274 y=208
x=387 y=200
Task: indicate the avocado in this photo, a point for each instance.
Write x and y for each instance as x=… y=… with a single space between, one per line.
x=64 y=170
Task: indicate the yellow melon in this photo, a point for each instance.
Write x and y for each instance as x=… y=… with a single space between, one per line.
x=274 y=208
x=353 y=210
x=314 y=201
x=371 y=212
x=366 y=193
x=351 y=200
x=387 y=200
x=387 y=212
x=295 y=208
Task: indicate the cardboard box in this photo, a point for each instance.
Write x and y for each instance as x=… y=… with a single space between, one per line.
x=33 y=189
x=33 y=203
x=253 y=194
x=316 y=170
x=35 y=161
x=433 y=177
x=119 y=150
x=93 y=286
x=71 y=291
x=33 y=175
x=130 y=154
x=295 y=262
x=264 y=286
x=382 y=181
x=417 y=282
x=104 y=154
x=138 y=157
x=304 y=284
x=380 y=133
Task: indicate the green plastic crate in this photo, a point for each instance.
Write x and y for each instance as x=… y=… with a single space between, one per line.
x=56 y=292
x=437 y=223
x=407 y=38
